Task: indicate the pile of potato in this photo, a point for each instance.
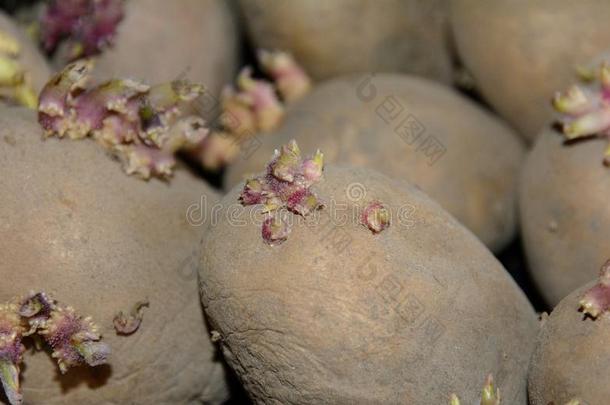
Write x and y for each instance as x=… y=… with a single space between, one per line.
x=305 y=202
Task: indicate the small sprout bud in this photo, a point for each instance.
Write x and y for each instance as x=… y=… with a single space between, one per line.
x=275 y=230
x=75 y=340
x=86 y=27
x=215 y=336
x=287 y=162
x=575 y=402
x=454 y=400
x=142 y=125
x=584 y=110
x=490 y=395
x=375 y=217
x=128 y=324
x=285 y=184
x=217 y=150
x=312 y=167
x=237 y=116
x=8 y=45
x=260 y=98
x=10 y=72
x=291 y=80
x=592 y=123
x=36 y=309
x=596 y=301
x=15 y=86
x=571 y=102
x=11 y=351
x=26 y=96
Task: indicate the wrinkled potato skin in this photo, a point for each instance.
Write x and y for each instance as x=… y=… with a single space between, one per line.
x=76 y=227
x=30 y=57
x=324 y=317
x=564 y=213
x=520 y=51
x=475 y=179
x=162 y=40
x=330 y=38
x=571 y=357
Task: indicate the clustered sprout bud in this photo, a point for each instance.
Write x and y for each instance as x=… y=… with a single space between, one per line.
x=291 y=80
x=585 y=109
x=286 y=185
x=74 y=340
x=142 y=125
x=84 y=27
x=11 y=351
x=15 y=81
x=252 y=107
x=596 y=301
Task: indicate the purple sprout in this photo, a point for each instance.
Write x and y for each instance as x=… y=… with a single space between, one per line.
x=585 y=110
x=75 y=340
x=143 y=125
x=375 y=217
x=11 y=351
x=127 y=324
x=286 y=184
x=86 y=27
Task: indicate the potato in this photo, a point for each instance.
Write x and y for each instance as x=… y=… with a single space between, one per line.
x=74 y=225
x=404 y=313
x=519 y=51
x=563 y=205
x=160 y=40
x=331 y=38
x=571 y=357
x=412 y=129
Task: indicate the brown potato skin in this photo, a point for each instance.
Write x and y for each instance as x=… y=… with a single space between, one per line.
x=571 y=357
x=337 y=315
x=331 y=38
x=475 y=179
x=74 y=225
x=162 y=40
x=564 y=213
x=30 y=57
x=520 y=51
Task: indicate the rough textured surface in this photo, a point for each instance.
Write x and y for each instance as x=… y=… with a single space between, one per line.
x=161 y=40
x=30 y=57
x=330 y=38
x=349 y=119
x=520 y=51
x=564 y=213
x=571 y=357
x=338 y=315
x=74 y=225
